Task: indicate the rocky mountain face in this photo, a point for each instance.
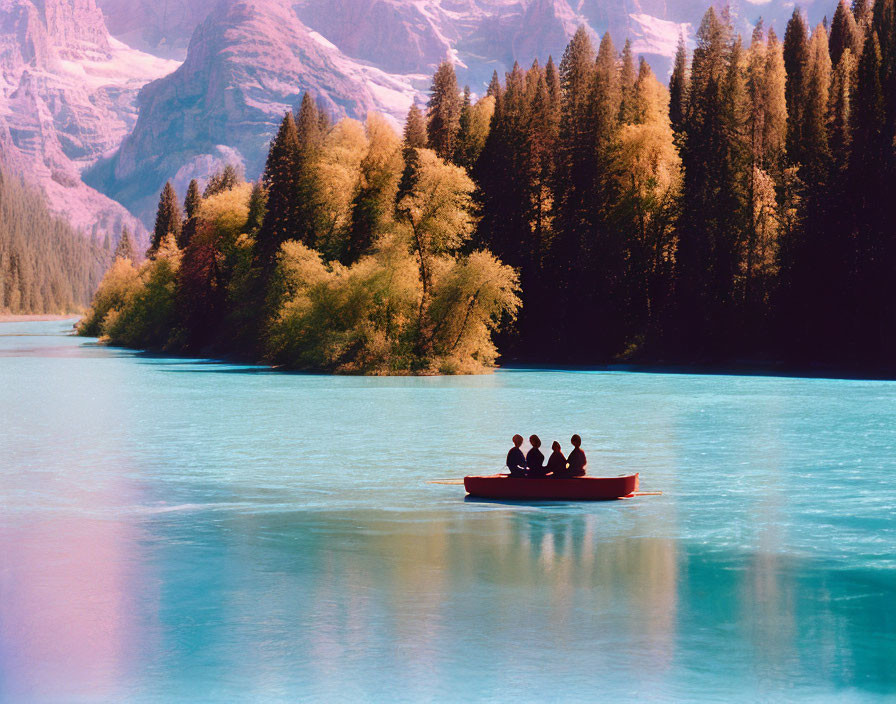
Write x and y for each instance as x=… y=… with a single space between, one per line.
x=67 y=96
x=159 y=27
x=248 y=63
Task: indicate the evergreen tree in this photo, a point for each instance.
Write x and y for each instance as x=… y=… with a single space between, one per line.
x=555 y=90
x=707 y=237
x=223 y=180
x=462 y=147
x=310 y=126
x=576 y=140
x=678 y=87
x=192 y=203
x=193 y=200
x=258 y=204
x=291 y=182
x=807 y=263
x=494 y=86
x=627 y=78
x=443 y=112
x=845 y=34
x=574 y=180
x=870 y=177
x=415 y=129
x=324 y=121
x=125 y=248
x=280 y=180
x=815 y=112
x=502 y=174
x=168 y=218
x=601 y=285
x=796 y=64
x=861 y=11
x=840 y=110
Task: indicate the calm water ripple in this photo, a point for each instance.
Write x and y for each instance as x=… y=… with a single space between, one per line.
x=179 y=531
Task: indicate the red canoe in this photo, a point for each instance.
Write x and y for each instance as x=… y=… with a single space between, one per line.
x=503 y=486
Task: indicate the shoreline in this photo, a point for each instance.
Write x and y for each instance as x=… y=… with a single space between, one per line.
x=768 y=368
x=37 y=318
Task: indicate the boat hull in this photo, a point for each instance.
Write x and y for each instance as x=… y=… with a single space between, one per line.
x=505 y=487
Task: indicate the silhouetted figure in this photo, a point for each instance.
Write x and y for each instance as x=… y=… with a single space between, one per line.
x=534 y=459
x=578 y=463
x=556 y=462
x=516 y=460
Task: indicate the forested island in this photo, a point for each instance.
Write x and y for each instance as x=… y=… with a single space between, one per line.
x=581 y=213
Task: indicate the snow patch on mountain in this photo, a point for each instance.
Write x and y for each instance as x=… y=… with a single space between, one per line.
x=67 y=97
x=652 y=35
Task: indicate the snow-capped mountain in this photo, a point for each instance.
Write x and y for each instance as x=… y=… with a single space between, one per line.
x=67 y=96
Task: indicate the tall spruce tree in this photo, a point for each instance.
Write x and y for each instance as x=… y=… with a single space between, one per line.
x=815 y=113
x=463 y=143
x=601 y=300
x=861 y=11
x=574 y=180
x=494 y=86
x=706 y=249
x=280 y=180
x=845 y=33
x=168 y=218
x=627 y=78
x=796 y=64
x=871 y=178
x=555 y=90
x=443 y=111
x=125 y=248
x=576 y=141
x=258 y=204
x=193 y=200
x=192 y=203
x=678 y=87
x=415 y=129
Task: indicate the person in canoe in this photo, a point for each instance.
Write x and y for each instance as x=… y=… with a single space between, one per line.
x=556 y=462
x=516 y=460
x=578 y=463
x=535 y=459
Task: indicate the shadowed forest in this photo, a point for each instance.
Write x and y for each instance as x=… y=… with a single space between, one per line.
x=576 y=213
x=45 y=265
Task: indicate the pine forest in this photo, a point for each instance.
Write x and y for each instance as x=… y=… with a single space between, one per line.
x=45 y=265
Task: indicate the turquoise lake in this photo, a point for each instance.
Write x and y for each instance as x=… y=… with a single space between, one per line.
x=176 y=530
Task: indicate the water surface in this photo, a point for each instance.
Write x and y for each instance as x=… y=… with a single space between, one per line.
x=180 y=530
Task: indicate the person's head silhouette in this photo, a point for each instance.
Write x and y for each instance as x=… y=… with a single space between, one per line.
x=576 y=441
x=556 y=446
x=517 y=440
x=535 y=441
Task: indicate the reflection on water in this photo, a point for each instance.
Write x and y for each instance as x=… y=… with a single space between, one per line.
x=255 y=537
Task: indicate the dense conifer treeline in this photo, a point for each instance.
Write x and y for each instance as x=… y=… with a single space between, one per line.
x=45 y=266
x=742 y=212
